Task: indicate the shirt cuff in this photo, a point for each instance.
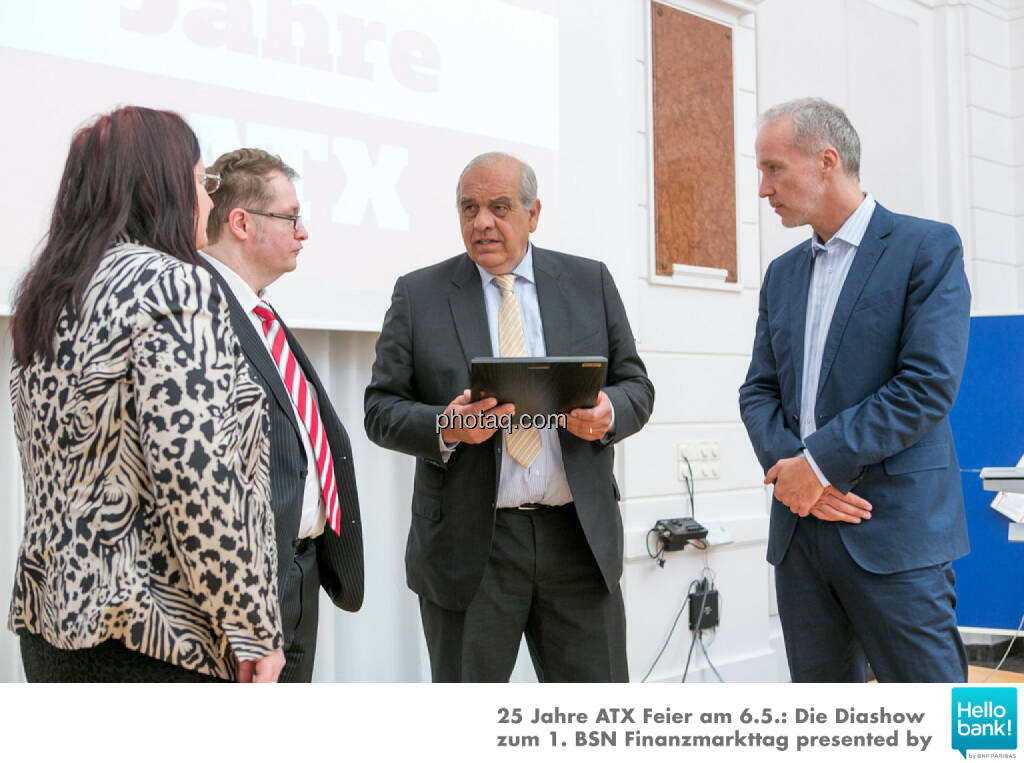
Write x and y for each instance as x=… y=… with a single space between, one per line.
x=446 y=448
x=814 y=467
x=610 y=434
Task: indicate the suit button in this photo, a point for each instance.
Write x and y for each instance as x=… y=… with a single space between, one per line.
x=303 y=473
x=795 y=418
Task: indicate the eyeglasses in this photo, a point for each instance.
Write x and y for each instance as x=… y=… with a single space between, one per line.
x=210 y=182
x=295 y=220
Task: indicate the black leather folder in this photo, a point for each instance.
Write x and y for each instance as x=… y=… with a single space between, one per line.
x=539 y=385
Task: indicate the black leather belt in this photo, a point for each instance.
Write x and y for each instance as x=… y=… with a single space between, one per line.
x=541 y=506
x=302 y=545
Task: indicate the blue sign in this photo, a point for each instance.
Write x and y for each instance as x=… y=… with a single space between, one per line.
x=984 y=719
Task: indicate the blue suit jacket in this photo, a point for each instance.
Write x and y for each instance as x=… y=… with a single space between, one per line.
x=892 y=363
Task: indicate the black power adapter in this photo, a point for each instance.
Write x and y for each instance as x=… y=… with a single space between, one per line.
x=703 y=606
x=676 y=533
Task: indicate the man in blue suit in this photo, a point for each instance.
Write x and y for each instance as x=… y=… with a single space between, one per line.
x=860 y=344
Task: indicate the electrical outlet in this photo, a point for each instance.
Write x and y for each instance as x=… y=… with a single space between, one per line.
x=690 y=450
x=704 y=460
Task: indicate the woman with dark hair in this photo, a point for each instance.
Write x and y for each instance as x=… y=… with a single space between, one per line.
x=148 y=552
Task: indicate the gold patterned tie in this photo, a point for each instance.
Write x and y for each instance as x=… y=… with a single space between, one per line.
x=522 y=444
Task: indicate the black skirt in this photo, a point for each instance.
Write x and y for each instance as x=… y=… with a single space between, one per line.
x=109 y=662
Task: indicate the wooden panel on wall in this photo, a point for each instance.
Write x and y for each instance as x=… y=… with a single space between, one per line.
x=694 y=160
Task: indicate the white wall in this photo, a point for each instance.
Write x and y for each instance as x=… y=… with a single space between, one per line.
x=994 y=92
x=696 y=342
x=12 y=499
x=937 y=94
x=1016 y=25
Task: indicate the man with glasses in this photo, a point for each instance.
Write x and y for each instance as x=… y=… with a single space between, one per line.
x=255 y=235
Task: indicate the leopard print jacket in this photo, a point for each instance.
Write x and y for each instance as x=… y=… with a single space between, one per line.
x=145 y=453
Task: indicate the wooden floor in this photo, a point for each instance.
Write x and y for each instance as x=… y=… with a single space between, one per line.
x=980 y=675
x=976 y=675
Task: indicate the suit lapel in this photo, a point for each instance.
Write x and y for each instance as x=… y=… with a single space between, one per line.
x=469 y=313
x=255 y=349
x=864 y=261
x=554 y=304
x=798 y=313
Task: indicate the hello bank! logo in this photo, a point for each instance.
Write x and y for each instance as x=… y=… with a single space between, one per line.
x=984 y=719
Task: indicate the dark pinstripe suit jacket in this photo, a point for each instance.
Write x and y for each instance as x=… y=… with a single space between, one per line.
x=436 y=324
x=339 y=557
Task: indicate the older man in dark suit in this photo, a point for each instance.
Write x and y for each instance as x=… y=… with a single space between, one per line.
x=512 y=532
x=860 y=344
x=255 y=235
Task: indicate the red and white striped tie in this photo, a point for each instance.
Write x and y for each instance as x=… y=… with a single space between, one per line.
x=302 y=396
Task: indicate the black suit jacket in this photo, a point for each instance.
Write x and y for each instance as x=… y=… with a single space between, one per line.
x=339 y=557
x=436 y=324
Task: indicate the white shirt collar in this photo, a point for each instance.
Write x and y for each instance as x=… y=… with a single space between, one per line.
x=852 y=230
x=246 y=297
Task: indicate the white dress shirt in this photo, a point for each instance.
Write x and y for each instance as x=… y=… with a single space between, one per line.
x=313 y=517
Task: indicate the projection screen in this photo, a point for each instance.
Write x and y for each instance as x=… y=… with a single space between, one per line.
x=378 y=104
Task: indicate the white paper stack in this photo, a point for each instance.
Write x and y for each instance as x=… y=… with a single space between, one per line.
x=1009 y=504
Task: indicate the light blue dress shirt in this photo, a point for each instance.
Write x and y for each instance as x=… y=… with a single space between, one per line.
x=830 y=264
x=544 y=481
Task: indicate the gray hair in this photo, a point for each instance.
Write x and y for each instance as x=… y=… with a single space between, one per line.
x=527 y=177
x=817 y=124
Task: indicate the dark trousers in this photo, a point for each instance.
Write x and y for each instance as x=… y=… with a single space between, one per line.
x=541 y=580
x=109 y=662
x=299 y=591
x=837 y=616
